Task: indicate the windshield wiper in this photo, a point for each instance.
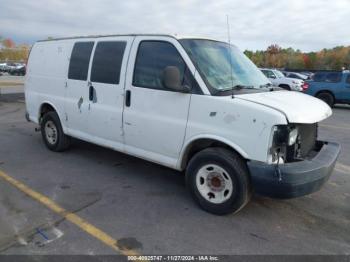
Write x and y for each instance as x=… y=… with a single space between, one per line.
x=240 y=87
x=266 y=85
x=232 y=89
x=270 y=87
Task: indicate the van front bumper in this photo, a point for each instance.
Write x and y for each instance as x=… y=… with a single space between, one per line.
x=294 y=179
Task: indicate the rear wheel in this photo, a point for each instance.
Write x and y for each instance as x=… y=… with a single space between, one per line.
x=52 y=133
x=327 y=98
x=218 y=180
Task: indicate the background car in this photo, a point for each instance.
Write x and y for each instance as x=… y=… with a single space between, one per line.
x=278 y=79
x=308 y=74
x=18 y=70
x=295 y=75
x=3 y=67
x=331 y=87
x=12 y=66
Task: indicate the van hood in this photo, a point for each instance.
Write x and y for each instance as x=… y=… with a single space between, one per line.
x=297 y=107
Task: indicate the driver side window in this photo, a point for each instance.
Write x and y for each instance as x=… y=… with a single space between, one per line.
x=152 y=58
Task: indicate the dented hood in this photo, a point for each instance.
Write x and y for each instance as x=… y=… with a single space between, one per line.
x=297 y=107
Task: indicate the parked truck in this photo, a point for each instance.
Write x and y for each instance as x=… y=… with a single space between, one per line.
x=331 y=87
x=192 y=104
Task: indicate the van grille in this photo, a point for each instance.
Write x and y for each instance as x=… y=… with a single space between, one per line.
x=306 y=142
x=307 y=139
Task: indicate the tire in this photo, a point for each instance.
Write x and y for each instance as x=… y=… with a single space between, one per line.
x=218 y=180
x=327 y=98
x=286 y=87
x=52 y=133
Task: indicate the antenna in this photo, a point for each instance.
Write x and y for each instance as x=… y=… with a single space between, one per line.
x=229 y=43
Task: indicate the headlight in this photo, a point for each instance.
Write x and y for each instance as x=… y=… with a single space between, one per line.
x=293 y=135
x=284 y=139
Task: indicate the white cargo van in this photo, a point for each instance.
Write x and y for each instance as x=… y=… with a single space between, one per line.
x=195 y=105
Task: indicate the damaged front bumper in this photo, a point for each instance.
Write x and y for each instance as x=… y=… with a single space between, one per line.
x=295 y=179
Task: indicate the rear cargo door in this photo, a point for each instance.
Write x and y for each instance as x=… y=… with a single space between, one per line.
x=76 y=94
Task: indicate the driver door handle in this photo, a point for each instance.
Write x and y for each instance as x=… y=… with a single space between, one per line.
x=127 y=98
x=91 y=93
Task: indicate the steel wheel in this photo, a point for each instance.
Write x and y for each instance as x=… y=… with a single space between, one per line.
x=214 y=184
x=51 y=132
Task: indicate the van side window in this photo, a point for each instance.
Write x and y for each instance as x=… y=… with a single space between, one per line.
x=152 y=58
x=79 y=60
x=107 y=62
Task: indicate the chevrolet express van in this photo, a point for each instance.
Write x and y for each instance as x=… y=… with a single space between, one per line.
x=191 y=104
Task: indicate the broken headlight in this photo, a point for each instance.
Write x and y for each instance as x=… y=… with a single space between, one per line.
x=292 y=136
x=283 y=143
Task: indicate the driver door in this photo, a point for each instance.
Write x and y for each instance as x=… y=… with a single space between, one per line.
x=155 y=118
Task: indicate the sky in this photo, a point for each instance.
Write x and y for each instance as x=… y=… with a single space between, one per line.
x=308 y=25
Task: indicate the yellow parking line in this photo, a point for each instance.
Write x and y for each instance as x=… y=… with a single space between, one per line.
x=73 y=218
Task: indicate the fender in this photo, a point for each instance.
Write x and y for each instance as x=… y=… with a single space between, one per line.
x=229 y=143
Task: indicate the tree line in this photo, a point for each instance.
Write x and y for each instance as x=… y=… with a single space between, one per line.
x=337 y=58
x=10 y=52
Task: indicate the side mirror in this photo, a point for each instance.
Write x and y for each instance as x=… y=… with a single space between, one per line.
x=172 y=81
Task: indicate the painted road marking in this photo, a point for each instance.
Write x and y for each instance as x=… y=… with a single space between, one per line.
x=73 y=218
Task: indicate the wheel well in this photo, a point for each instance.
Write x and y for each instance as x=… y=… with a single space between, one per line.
x=284 y=85
x=200 y=144
x=325 y=91
x=45 y=108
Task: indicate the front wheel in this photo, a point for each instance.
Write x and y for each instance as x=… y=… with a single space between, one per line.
x=219 y=181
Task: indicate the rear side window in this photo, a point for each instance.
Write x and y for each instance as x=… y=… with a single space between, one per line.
x=319 y=77
x=333 y=77
x=152 y=58
x=107 y=62
x=79 y=60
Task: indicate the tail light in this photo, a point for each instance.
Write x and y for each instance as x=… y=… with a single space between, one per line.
x=305 y=86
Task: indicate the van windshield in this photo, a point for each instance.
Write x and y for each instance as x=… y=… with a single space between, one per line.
x=222 y=66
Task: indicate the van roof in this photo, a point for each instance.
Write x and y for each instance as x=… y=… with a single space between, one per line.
x=111 y=35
